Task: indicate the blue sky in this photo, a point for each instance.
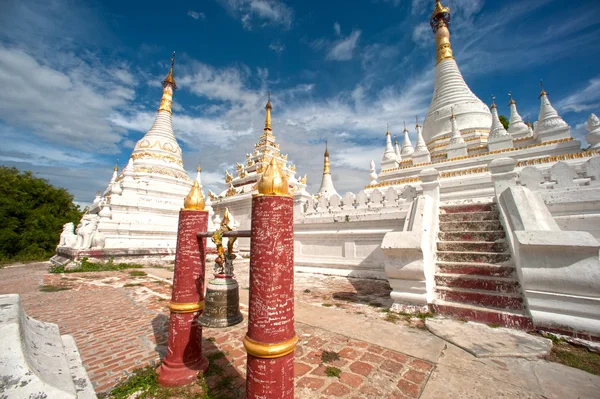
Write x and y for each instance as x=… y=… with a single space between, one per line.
x=81 y=79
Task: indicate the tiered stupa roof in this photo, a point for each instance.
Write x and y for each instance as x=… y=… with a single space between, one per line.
x=158 y=151
x=327 y=189
x=472 y=115
x=389 y=159
x=249 y=172
x=407 y=148
x=550 y=126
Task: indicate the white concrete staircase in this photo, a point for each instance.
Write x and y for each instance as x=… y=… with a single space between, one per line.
x=35 y=360
x=475 y=277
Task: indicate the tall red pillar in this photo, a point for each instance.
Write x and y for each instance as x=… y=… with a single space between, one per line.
x=271 y=338
x=184 y=357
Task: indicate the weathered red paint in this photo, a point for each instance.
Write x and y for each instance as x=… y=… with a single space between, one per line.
x=271 y=308
x=184 y=357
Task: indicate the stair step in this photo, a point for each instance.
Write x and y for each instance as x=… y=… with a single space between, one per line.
x=473 y=246
x=502 y=301
x=468 y=216
x=478 y=269
x=481 y=225
x=475 y=257
x=494 y=284
x=512 y=319
x=468 y=208
x=493 y=235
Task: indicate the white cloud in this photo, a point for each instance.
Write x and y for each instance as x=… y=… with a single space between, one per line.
x=277 y=47
x=343 y=50
x=582 y=100
x=197 y=15
x=337 y=29
x=261 y=12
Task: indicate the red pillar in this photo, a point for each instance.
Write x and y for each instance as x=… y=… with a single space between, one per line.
x=184 y=355
x=271 y=338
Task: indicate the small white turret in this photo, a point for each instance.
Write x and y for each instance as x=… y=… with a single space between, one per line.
x=457 y=146
x=389 y=159
x=517 y=128
x=593 y=136
x=327 y=189
x=421 y=154
x=550 y=126
x=129 y=172
x=397 y=150
x=407 y=148
x=499 y=138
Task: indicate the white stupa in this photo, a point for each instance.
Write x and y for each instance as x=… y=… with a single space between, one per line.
x=421 y=154
x=407 y=148
x=137 y=214
x=327 y=189
x=517 y=128
x=389 y=159
x=550 y=126
x=472 y=116
x=499 y=138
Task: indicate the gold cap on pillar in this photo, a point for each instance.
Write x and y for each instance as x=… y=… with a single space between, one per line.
x=195 y=199
x=273 y=181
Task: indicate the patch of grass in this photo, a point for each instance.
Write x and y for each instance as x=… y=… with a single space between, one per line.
x=133 y=285
x=327 y=305
x=144 y=380
x=333 y=372
x=375 y=304
x=392 y=317
x=137 y=273
x=424 y=316
x=329 y=356
x=575 y=356
x=211 y=339
x=307 y=291
x=216 y=355
x=53 y=288
x=86 y=266
x=494 y=325
x=555 y=340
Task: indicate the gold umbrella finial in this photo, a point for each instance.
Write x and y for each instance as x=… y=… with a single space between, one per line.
x=268 y=107
x=543 y=92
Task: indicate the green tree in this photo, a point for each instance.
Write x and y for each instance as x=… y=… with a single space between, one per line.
x=504 y=121
x=32 y=213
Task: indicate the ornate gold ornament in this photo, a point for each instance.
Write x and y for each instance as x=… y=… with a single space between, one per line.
x=231 y=191
x=228 y=177
x=273 y=181
x=212 y=196
x=167 y=158
x=303 y=179
x=195 y=199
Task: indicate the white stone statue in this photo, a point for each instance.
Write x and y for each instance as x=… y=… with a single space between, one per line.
x=86 y=230
x=593 y=136
x=68 y=237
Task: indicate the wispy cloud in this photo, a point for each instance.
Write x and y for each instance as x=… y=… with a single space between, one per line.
x=197 y=15
x=260 y=12
x=277 y=47
x=585 y=99
x=343 y=50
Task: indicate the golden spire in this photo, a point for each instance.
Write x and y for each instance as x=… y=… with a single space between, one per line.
x=326 y=167
x=198 y=169
x=268 y=107
x=417 y=125
x=440 y=21
x=195 y=199
x=405 y=129
x=169 y=86
x=273 y=181
x=543 y=92
x=387 y=129
x=511 y=102
x=116 y=168
x=493 y=102
x=395 y=140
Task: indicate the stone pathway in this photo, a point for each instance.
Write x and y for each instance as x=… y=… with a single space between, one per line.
x=120 y=321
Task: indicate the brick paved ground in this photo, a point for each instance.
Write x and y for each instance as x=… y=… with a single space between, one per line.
x=120 y=323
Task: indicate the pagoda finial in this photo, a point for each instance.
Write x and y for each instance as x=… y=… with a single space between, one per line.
x=387 y=129
x=512 y=101
x=543 y=92
x=452 y=113
x=169 y=86
x=417 y=118
x=268 y=107
x=116 y=168
x=440 y=21
x=395 y=139
x=493 y=102
x=326 y=166
x=405 y=129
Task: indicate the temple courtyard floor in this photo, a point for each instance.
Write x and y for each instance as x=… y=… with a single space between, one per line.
x=350 y=346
